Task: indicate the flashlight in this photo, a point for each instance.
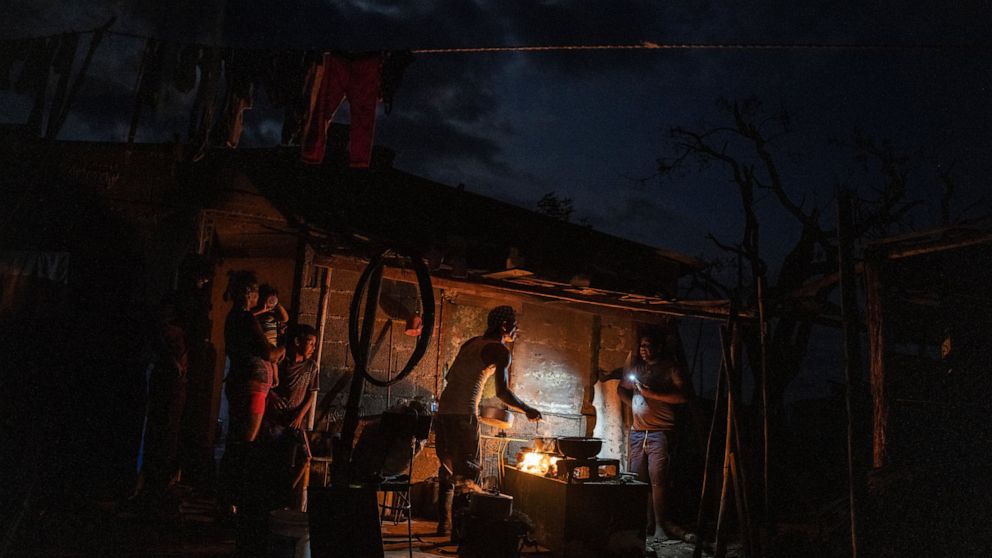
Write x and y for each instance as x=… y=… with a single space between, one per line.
x=632 y=377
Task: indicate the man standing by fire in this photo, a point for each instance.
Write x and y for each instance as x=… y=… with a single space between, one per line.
x=653 y=386
x=456 y=425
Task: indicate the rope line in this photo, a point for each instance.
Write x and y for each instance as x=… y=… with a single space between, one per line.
x=643 y=45
x=648 y=45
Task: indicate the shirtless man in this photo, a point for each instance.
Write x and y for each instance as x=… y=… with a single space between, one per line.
x=456 y=425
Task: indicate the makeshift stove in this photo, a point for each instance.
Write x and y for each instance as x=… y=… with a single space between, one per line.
x=580 y=507
x=592 y=469
x=572 y=468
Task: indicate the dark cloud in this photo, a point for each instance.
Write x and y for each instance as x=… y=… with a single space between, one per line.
x=643 y=215
x=515 y=126
x=440 y=141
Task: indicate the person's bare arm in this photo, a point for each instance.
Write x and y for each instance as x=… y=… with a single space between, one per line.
x=301 y=415
x=625 y=392
x=676 y=396
x=499 y=356
x=262 y=346
x=173 y=347
x=603 y=375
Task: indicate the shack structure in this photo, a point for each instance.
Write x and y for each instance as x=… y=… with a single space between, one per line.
x=929 y=313
x=136 y=220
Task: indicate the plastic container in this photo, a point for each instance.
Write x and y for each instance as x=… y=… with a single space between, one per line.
x=289 y=534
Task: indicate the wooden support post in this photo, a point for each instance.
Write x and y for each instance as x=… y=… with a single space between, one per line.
x=852 y=362
x=304 y=260
x=765 y=439
x=743 y=519
x=321 y=326
x=876 y=360
x=700 y=517
x=730 y=357
x=720 y=543
x=737 y=468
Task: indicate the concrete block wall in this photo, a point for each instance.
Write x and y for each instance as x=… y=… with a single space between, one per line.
x=555 y=359
x=391 y=348
x=617 y=339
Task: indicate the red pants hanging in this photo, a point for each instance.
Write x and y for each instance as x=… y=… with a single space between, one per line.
x=358 y=80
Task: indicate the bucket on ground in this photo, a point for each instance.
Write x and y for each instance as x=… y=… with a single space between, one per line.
x=289 y=535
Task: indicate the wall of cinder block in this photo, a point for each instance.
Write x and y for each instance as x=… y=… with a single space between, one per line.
x=554 y=368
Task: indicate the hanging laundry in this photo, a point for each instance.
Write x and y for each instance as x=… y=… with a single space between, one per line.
x=164 y=82
x=394 y=63
x=59 y=118
x=201 y=118
x=357 y=78
x=281 y=75
x=153 y=75
x=240 y=69
x=61 y=65
x=297 y=117
x=34 y=79
x=146 y=90
x=184 y=76
x=11 y=52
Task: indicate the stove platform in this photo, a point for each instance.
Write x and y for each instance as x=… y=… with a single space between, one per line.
x=587 y=470
x=581 y=519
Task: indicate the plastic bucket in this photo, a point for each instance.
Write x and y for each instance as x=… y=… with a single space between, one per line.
x=345 y=522
x=289 y=535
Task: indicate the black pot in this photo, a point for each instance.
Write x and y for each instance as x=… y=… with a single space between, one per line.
x=580 y=448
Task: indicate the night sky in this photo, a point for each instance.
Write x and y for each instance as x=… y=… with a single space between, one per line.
x=590 y=126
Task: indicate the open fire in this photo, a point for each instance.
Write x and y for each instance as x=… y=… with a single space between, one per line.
x=566 y=469
x=537 y=463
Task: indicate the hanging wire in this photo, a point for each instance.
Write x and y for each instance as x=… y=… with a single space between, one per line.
x=649 y=45
x=643 y=45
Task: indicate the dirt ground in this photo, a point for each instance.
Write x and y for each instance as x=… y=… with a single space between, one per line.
x=128 y=530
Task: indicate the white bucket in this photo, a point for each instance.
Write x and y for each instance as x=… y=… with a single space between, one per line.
x=289 y=536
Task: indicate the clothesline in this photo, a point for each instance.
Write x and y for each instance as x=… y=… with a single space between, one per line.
x=643 y=45
x=308 y=83
x=649 y=45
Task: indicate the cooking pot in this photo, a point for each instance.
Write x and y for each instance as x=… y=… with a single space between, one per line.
x=545 y=444
x=496 y=416
x=580 y=448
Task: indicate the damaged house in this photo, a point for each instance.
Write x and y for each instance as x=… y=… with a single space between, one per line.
x=128 y=223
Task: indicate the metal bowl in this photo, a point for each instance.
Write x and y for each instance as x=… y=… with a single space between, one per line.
x=497 y=417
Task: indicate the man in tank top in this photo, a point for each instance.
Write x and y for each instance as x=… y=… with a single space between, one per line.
x=456 y=425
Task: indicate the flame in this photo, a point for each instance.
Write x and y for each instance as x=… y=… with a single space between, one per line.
x=536 y=463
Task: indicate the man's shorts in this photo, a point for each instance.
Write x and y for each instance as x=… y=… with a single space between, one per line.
x=456 y=439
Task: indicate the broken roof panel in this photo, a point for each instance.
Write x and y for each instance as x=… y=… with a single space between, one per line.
x=466 y=231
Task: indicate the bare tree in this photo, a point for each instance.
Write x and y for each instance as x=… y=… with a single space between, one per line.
x=799 y=294
x=552 y=205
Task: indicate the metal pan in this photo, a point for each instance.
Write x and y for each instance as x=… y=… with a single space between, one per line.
x=496 y=416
